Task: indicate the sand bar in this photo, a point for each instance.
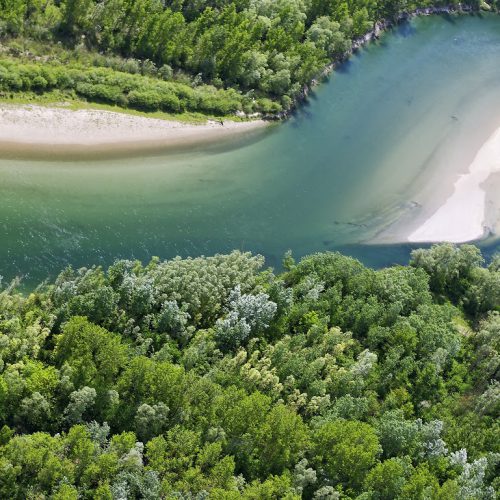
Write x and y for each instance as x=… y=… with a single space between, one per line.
x=464 y=215
x=29 y=126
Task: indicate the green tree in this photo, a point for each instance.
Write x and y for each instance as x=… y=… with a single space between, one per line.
x=95 y=355
x=346 y=450
x=386 y=480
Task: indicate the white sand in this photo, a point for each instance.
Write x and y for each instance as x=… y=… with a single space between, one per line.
x=463 y=216
x=38 y=125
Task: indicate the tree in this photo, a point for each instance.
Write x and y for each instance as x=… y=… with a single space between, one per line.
x=35 y=412
x=450 y=268
x=422 y=484
x=404 y=407
x=150 y=382
x=151 y=420
x=280 y=441
x=327 y=36
x=95 y=355
x=247 y=314
x=386 y=480
x=12 y=13
x=77 y=16
x=346 y=450
x=81 y=402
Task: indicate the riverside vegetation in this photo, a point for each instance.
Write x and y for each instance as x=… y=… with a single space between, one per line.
x=217 y=57
x=212 y=378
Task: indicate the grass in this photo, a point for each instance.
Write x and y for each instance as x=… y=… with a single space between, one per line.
x=58 y=99
x=47 y=74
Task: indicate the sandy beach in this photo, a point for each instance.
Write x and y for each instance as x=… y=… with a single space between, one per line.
x=471 y=212
x=30 y=127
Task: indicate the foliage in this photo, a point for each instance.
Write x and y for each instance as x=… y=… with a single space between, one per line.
x=212 y=56
x=211 y=378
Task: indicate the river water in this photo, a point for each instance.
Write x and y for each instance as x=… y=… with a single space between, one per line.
x=392 y=122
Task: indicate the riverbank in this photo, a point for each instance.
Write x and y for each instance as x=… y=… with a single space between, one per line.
x=454 y=201
x=472 y=211
x=35 y=128
x=372 y=35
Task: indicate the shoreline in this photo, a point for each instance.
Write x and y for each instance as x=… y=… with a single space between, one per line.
x=372 y=35
x=458 y=207
x=28 y=128
x=470 y=213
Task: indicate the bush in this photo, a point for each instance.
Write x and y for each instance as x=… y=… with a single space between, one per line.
x=100 y=92
x=104 y=84
x=265 y=105
x=149 y=100
x=170 y=102
x=166 y=72
x=39 y=83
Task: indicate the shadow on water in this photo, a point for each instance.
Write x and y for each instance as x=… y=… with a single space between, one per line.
x=303 y=112
x=378 y=257
x=449 y=18
x=490 y=248
x=345 y=67
x=405 y=29
x=381 y=256
x=312 y=95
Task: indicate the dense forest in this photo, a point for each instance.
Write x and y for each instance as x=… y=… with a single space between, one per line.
x=217 y=57
x=215 y=378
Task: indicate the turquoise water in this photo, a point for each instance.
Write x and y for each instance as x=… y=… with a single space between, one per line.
x=422 y=99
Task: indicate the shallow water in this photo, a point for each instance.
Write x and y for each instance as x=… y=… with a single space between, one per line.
x=418 y=103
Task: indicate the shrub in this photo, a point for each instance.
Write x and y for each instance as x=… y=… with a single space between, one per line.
x=149 y=100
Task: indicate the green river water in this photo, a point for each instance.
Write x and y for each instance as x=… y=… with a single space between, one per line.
x=418 y=102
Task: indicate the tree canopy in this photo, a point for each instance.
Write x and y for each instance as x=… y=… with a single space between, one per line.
x=215 y=378
x=213 y=56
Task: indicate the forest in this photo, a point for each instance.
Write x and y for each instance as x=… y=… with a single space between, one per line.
x=216 y=57
x=215 y=377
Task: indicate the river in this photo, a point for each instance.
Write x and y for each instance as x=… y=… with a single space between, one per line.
x=419 y=102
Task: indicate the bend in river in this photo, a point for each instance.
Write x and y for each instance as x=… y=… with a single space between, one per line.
x=375 y=151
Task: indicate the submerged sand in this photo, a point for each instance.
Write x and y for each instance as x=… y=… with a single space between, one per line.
x=29 y=126
x=471 y=212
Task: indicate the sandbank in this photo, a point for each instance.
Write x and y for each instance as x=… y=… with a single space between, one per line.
x=31 y=128
x=471 y=212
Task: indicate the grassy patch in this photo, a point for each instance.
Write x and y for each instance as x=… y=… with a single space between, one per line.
x=65 y=100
